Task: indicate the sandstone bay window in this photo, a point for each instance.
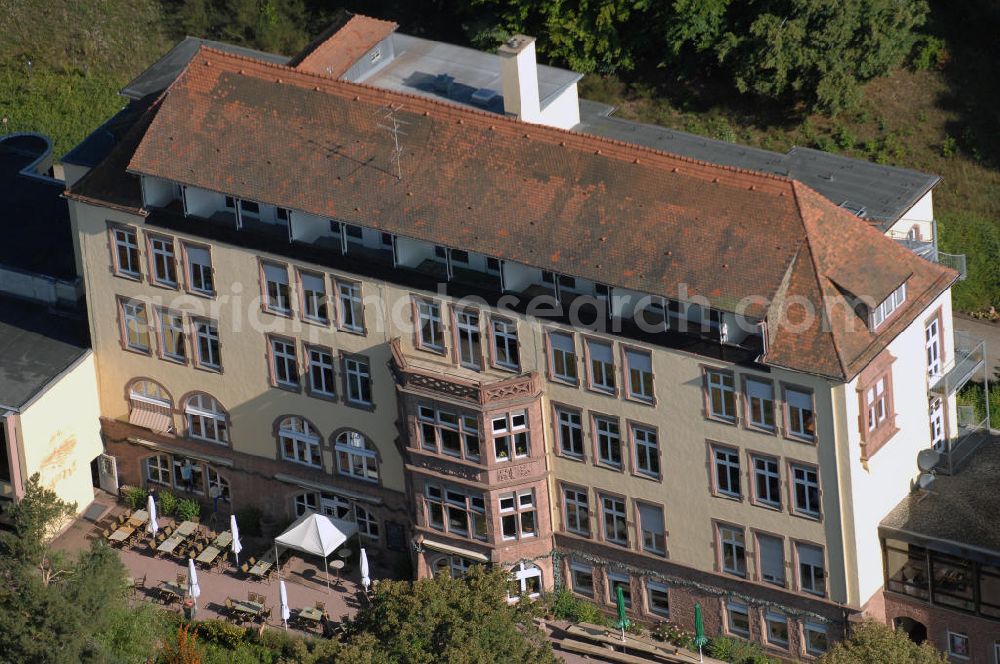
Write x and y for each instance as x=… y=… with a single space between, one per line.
x=284 y=363
x=356 y=456
x=430 y=330
x=299 y=442
x=206 y=334
x=352 y=314
x=201 y=278
x=812 y=570
x=173 y=338
x=320 y=371
x=510 y=436
x=654 y=535
x=760 y=403
x=358 y=377
x=647 y=451
x=639 y=368
x=615 y=519
x=456 y=511
x=727 y=471
x=576 y=510
x=134 y=325
x=314 y=302
x=609 y=441
x=562 y=361
x=518 y=515
x=732 y=549
x=125 y=255
x=570 y=432
x=800 y=414
x=601 y=365
x=163 y=261
x=771 y=559
x=206 y=419
x=454 y=566
x=767 y=481
x=721 y=394
x=618 y=580
x=469 y=339
x=805 y=480
x=276 y=299
x=448 y=432
x=506 y=353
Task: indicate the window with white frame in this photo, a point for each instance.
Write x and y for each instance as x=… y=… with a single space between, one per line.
x=284 y=363
x=518 y=515
x=733 y=549
x=800 y=414
x=582 y=578
x=738 y=618
x=218 y=486
x=300 y=442
x=314 y=302
x=602 y=365
x=816 y=638
x=505 y=349
x=188 y=475
x=126 y=251
x=430 y=331
x=570 y=429
x=760 y=403
x=563 y=357
x=658 y=598
x=887 y=306
x=201 y=278
x=654 y=537
x=609 y=441
x=356 y=456
x=777 y=628
x=618 y=580
x=771 y=551
x=470 y=345
x=336 y=506
x=577 y=510
x=352 y=313
x=135 y=325
x=206 y=334
x=320 y=371
x=958 y=645
x=449 y=432
x=150 y=405
x=767 y=481
x=806 y=490
x=158 y=469
x=367 y=523
x=164 y=260
x=812 y=571
x=454 y=566
x=359 y=380
x=276 y=288
x=173 y=337
x=434 y=506
x=306 y=502
x=457 y=511
x=510 y=436
x=640 y=374
x=727 y=471
x=527 y=579
x=206 y=419
x=876 y=404
x=932 y=345
x=615 y=518
x=647 y=450
x=721 y=394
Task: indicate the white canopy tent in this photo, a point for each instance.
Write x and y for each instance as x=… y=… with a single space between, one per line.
x=316 y=534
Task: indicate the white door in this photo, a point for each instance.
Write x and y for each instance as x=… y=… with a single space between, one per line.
x=932 y=339
x=937 y=424
x=107 y=472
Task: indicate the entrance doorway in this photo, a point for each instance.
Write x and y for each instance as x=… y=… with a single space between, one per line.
x=917 y=631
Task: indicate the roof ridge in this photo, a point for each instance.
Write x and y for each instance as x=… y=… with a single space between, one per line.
x=527 y=128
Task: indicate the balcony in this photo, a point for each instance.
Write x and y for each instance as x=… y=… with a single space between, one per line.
x=929 y=250
x=969 y=357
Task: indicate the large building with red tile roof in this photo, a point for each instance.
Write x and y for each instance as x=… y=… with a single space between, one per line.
x=430 y=302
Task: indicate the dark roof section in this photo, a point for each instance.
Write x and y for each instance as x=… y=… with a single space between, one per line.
x=339 y=47
x=958 y=509
x=36 y=345
x=98 y=145
x=638 y=218
x=159 y=75
x=885 y=192
x=34 y=222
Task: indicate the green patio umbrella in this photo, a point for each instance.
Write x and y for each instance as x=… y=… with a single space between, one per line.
x=623 y=621
x=699 y=630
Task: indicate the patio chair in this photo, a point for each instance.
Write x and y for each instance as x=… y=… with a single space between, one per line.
x=199 y=547
x=106 y=533
x=168 y=531
x=152 y=547
x=252 y=561
x=181 y=579
x=245 y=568
x=321 y=607
x=141 y=583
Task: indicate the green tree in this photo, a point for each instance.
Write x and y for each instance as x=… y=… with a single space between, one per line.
x=35 y=519
x=875 y=642
x=460 y=621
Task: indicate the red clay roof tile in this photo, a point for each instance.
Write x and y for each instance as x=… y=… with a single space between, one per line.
x=333 y=54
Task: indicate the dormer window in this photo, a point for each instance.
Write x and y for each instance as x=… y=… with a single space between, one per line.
x=886 y=308
x=249 y=208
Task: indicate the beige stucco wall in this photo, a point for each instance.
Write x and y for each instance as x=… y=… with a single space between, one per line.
x=59 y=433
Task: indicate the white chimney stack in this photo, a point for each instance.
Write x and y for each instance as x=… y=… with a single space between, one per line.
x=519 y=73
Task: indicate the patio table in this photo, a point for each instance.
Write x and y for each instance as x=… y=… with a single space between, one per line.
x=121 y=534
x=168 y=545
x=310 y=615
x=172 y=591
x=138 y=518
x=223 y=540
x=186 y=529
x=246 y=607
x=261 y=568
x=209 y=555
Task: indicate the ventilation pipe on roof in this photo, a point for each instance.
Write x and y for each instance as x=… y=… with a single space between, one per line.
x=519 y=74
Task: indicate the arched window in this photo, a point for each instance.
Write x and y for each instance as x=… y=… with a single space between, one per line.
x=306 y=502
x=367 y=524
x=356 y=456
x=218 y=486
x=456 y=566
x=206 y=419
x=299 y=442
x=150 y=406
x=528 y=580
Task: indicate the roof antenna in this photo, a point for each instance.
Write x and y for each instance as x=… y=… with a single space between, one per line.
x=394 y=126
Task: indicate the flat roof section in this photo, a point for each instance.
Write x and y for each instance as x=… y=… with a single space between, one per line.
x=36 y=345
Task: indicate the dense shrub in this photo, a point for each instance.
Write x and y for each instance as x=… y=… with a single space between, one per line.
x=567 y=606
x=166 y=503
x=134 y=497
x=736 y=651
x=187 y=509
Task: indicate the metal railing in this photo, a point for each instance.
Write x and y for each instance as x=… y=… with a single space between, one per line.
x=928 y=249
x=969 y=357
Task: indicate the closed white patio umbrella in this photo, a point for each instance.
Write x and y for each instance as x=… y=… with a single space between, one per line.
x=286 y=613
x=237 y=547
x=365 y=580
x=194 y=590
x=151 y=525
